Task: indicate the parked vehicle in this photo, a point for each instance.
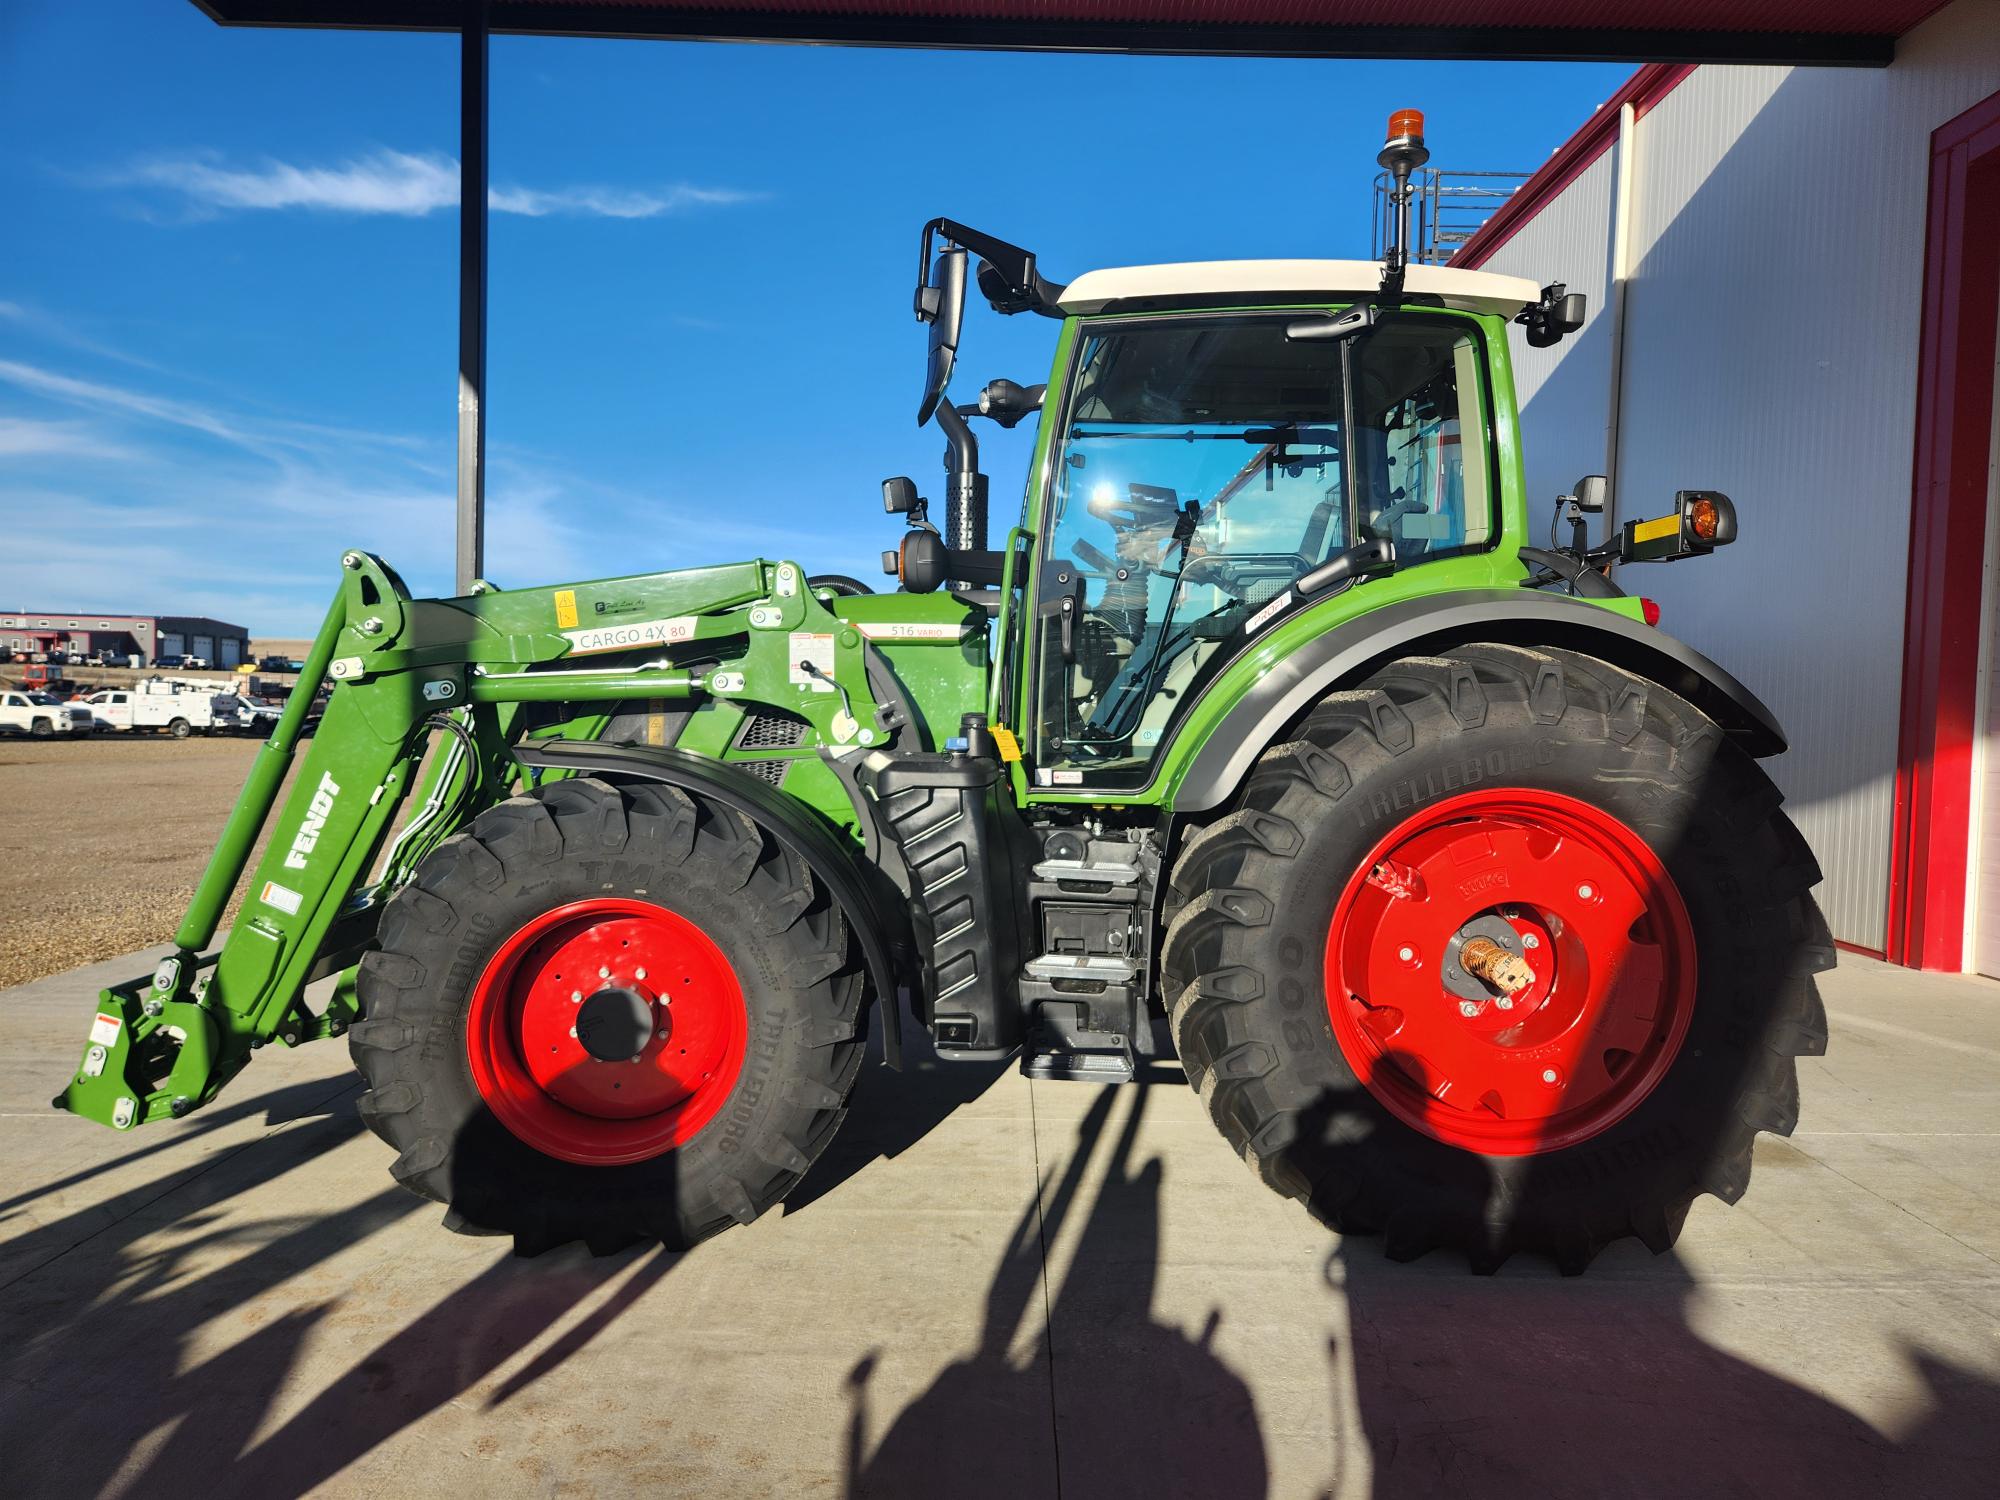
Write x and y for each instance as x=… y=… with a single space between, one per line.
x=255 y=715
x=42 y=715
x=165 y=706
x=1456 y=882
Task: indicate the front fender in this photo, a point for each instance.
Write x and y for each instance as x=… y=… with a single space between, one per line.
x=873 y=916
x=1433 y=623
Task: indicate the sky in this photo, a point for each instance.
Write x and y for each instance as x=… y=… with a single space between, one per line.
x=228 y=297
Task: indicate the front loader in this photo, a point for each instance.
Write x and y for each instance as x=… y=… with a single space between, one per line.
x=1457 y=884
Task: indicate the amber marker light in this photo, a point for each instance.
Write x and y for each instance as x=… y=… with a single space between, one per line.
x=1704 y=519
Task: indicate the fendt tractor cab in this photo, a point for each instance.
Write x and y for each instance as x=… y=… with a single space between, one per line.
x=1454 y=883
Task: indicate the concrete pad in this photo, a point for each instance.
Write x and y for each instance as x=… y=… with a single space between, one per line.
x=994 y=1288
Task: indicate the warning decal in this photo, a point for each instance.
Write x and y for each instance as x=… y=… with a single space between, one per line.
x=815 y=647
x=566 y=609
x=282 y=898
x=104 y=1030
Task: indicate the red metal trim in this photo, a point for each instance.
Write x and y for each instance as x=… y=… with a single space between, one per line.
x=536 y=1073
x=1947 y=541
x=1866 y=952
x=1558 y=1061
x=1642 y=91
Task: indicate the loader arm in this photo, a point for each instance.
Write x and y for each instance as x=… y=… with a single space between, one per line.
x=403 y=672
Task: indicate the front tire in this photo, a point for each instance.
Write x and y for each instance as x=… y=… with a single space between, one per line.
x=608 y=1014
x=1591 y=824
x=180 y=729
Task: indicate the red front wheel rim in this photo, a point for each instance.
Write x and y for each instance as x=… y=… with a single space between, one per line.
x=1575 y=894
x=606 y=1031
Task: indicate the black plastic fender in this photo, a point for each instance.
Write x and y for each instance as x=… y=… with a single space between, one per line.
x=879 y=921
x=1430 y=625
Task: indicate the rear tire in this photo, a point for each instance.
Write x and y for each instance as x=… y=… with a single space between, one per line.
x=468 y=989
x=1591 y=763
x=180 y=729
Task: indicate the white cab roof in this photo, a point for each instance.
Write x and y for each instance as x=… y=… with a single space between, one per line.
x=1332 y=280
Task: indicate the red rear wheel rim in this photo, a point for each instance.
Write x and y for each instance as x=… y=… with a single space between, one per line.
x=1591 y=909
x=634 y=979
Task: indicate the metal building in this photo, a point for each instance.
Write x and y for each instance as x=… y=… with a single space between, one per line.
x=1794 y=284
x=80 y=633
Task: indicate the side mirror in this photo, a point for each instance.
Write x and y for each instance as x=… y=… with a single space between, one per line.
x=1591 y=492
x=941 y=303
x=899 y=496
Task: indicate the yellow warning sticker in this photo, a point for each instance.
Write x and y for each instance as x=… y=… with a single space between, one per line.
x=566 y=609
x=1010 y=748
x=1652 y=531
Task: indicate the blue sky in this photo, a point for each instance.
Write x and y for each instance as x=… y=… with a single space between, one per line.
x=227 y=280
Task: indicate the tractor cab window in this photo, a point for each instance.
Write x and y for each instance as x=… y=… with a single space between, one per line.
x=1203 y=464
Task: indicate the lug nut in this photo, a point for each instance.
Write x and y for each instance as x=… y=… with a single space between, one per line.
x=576 y=997
x=1586 y=893
x=1550 y=1075
x=1467 y=1008
x=1406 y=954
x=1529 y=940
x=638 y=973
x=603 y=973
x=1505 y=1002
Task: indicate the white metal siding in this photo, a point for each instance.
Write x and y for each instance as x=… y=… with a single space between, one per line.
x=1564 y=391
x=1771 y=352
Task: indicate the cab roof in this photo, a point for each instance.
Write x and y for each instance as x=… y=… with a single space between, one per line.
x=1221 y=282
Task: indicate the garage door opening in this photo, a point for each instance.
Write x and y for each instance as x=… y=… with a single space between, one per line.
x=1940 y=854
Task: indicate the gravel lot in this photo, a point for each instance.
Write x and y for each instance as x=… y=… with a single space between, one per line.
x=102 y=842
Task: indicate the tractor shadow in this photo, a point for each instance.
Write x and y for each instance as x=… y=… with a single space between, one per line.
x=1163 y=1414
x=1532 y=1383
x=113 y=1378
x=889 y=1112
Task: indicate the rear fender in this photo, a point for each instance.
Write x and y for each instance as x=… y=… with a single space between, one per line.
x=1431 y=624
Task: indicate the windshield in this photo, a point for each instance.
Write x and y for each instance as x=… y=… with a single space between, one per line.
x=1203 y=465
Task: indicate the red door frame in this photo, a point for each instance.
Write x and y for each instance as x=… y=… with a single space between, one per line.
x=1927 y=863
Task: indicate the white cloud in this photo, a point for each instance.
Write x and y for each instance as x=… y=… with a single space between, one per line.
x=121 y=498
x=402 y=183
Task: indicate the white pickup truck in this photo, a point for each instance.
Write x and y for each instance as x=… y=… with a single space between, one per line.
x=42 y=715
x=179 y=713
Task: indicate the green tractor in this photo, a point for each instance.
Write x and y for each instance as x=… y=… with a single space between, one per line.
x=1457 y=885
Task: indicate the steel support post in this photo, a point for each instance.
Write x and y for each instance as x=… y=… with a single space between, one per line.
x=472 y=181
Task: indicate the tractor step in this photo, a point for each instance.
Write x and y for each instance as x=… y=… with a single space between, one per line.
x=1079 y=1067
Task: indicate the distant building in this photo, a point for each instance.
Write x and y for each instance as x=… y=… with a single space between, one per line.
x=81 y=633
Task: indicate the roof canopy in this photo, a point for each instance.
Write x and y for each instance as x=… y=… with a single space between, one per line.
x=1308 y=280
x=1857 y=32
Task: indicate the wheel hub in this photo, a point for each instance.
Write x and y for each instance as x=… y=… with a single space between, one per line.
x=606 y=1031
x=1511 y=971
x=616 y=1023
